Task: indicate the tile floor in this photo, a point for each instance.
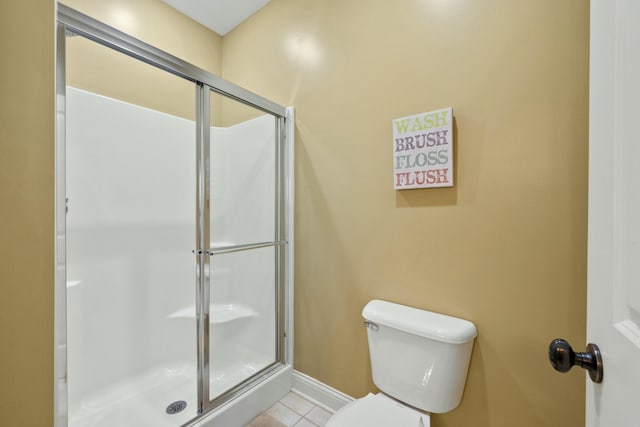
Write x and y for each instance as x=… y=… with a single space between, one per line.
x=292 y=411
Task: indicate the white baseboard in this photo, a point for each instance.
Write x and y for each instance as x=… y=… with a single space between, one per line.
x=319 y=393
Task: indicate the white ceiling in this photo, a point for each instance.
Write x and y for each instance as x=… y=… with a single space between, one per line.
x=221 y=16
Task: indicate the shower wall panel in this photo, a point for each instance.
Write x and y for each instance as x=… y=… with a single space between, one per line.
x=130 y=233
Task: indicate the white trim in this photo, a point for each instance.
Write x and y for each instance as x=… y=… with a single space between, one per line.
x=289 y=218
x=60 y=409
x=319 y=393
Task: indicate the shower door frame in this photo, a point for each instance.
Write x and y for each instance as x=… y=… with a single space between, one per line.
x=205 y=83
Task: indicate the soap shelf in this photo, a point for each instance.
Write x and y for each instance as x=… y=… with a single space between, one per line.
x=73 y=283
x=218 y=313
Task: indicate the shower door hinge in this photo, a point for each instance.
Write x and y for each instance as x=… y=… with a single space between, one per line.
x=197 y=251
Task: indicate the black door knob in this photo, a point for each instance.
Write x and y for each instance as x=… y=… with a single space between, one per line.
x=562 y=358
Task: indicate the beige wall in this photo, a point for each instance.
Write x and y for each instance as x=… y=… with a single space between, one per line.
x=505 y=248
x=107 y=72
x=158 y=24
x=26 y=213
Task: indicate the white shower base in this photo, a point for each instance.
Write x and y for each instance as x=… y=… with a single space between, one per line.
x=142 y=399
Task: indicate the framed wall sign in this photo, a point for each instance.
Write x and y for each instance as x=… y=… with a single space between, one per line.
x=423 y=150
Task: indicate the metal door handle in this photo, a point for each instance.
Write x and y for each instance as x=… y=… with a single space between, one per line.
x=562 y=358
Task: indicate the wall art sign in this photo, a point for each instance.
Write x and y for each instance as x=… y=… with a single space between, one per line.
x=423 y=150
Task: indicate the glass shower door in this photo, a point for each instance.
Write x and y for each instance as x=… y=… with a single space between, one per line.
x=245 y=244
x=171 y=260
x=130 y=226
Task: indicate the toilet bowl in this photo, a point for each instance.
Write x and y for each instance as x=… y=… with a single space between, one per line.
x=378 y=410
x=419 y=360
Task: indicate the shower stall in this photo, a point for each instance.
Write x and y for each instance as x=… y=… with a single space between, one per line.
x=174 y=238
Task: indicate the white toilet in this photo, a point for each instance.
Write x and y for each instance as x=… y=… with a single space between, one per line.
x=419 y=359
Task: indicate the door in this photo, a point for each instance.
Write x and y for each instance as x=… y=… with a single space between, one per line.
x=613 y=305
x=246 y=244
x=129 y=228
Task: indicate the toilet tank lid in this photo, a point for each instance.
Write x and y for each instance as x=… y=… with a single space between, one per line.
x=420 y=322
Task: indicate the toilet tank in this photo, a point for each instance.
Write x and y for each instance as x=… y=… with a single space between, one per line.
x=417 y=356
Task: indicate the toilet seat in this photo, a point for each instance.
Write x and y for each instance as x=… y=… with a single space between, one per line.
x=378 y=410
